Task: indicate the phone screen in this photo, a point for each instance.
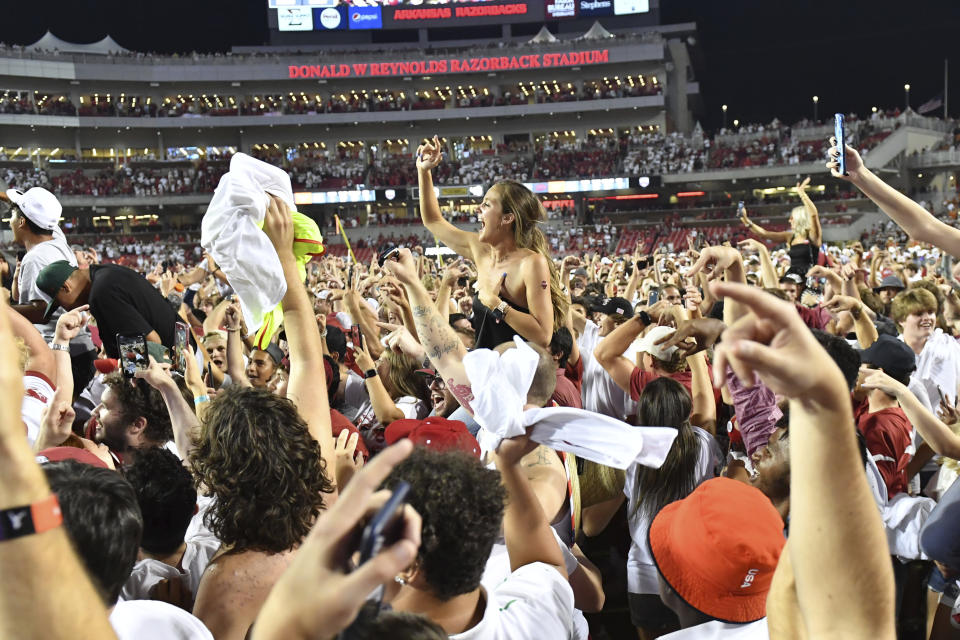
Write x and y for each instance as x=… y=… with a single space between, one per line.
x=838 y=133
x=654 y=296
x=740 y=207
x=180 y=347
x=133 y=354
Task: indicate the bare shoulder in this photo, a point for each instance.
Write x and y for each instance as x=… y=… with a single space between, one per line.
x=533 y=261
x=234 y=587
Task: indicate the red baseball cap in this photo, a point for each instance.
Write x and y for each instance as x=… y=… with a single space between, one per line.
x=718 y=549
x=434 y=432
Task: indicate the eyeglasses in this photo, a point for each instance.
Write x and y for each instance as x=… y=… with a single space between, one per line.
x=438 y=382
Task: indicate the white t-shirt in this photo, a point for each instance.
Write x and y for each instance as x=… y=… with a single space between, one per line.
x=153 y=620
x=600 y=392
x=354 y=396
x=147 y=573
x=534 y=602
x=716 y=630
x=938 y=365
x=30 y=267
x=197 y=528
x=37 y=394
x=498 y=570
x=412 y=408
x=641 y=571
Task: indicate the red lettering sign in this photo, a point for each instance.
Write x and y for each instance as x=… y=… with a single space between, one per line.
x=423 y=14
x=448 y=65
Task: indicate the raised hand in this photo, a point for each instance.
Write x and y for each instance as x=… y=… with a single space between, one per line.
x=278 y=225
x=71 y=323
x=877 y=379
x=948 y=411
x=694 y=336
x=721 y=257
x=854 y=163
x=404 y=267
x=55 y=425
x=773 y=342
x=752 y=244
x=839 y=303
x=429 y=154
x=349 y=460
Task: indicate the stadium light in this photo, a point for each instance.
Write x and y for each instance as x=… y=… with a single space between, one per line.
x=724 y=109
x=906 y=92
x=816 y=100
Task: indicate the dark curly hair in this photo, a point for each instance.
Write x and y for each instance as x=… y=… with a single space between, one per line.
x=257 y=457
x=140 y=399
x=166 y=496
x=461 y=504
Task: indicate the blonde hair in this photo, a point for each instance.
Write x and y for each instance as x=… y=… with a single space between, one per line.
x=527 y=212
x=800 y=221
x=213 y=335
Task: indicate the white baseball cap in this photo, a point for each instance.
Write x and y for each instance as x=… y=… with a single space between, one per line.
x=646 y=343
x=39 y=205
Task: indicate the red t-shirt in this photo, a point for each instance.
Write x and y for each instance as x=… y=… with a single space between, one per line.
x=566 y=394
x=887 y=433
x=640 y=378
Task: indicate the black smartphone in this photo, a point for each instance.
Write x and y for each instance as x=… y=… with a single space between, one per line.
x=387 y=254
x=181 y=336
x=384 y=529
x=654 y=297
x=838 y=133
x=133 y=354
x=386 y=526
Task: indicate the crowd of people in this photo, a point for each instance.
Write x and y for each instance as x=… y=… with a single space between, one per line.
x=632 y=153
x=259 y=438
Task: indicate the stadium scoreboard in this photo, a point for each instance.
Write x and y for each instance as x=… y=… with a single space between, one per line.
x=328 y=15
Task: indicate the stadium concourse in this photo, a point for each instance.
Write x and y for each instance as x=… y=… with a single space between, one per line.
x=479 y=334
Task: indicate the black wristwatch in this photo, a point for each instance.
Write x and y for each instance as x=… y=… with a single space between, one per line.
x=645 y=318
x=369 y=373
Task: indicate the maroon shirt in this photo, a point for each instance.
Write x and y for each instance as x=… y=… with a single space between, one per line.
x=887 y=433
x=566 y=394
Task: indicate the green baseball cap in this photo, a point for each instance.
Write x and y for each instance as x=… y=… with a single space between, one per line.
x=50 y=281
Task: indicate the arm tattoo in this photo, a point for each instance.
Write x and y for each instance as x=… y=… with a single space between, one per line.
x=462 y=392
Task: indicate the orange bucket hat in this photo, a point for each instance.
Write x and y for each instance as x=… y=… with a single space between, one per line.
x=718 y=549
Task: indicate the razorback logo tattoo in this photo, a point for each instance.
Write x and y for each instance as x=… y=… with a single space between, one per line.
x=543 y=284
x=462 y=392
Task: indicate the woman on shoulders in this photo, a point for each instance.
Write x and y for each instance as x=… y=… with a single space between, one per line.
x=804 y=236
x=518 y=285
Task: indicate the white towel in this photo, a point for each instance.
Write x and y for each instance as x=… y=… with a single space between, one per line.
x=231 y=233
x=500 y=383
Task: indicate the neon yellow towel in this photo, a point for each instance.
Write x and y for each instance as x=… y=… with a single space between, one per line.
x=307 y=243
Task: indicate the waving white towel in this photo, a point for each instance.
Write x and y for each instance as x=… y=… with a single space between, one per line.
x=231 y=232
x=500 y=383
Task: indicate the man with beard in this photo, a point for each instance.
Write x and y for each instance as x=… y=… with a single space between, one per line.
x=130 y=418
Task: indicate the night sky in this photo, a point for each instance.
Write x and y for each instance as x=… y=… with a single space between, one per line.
x=763 y=58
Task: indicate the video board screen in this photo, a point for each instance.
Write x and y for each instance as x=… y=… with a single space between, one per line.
x=594 y=8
